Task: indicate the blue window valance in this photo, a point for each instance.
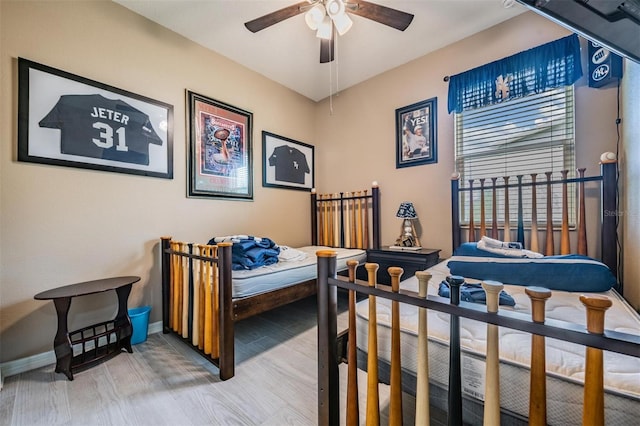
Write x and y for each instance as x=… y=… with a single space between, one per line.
x=552 y=65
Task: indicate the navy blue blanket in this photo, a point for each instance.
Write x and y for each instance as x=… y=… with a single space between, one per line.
x=474 y=293
x=250 y=252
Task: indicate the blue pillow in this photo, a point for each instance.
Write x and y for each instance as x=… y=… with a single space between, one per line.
x=569 y=272
x=471 y=249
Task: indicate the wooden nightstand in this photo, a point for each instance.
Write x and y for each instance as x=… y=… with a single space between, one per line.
x=409 y=260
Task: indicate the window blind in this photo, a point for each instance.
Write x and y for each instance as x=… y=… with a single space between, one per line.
x=529 y=135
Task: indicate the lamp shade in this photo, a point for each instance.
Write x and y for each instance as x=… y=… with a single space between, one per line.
x=406 y=211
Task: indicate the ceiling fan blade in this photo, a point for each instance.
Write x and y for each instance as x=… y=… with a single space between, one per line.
x=274 y=17
x=382 y=14
x=326 y=50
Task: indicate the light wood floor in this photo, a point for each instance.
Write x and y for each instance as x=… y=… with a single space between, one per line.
x=164 y=382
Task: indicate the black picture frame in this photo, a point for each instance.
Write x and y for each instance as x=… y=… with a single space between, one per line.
x=68 y=120
x=220 y=159
x=414 y=149
x=287 y=163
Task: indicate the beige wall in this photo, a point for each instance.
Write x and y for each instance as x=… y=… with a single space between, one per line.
x=62 y=225
x=359 y=140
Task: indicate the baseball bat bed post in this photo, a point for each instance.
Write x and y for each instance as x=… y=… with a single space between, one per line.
x=185 y=293
x=354 y=235
x=353 y=410
x=347 y=222
x=395 y=404
x=188 y=277
x=359 y=224
x=492 y=368
x=593 y=404
x=582 y=218
x=207 y=305
x=329 y=212
x=537 y=378
x=520 y=231
x=494 y=211
x=178 y=286
x=507 y=225
x=195 y=333
x=201 y=305
x=472 y=227
x=565 y=244
x=365 y=243
x=336 y=221
x=329 y=219
x=172 y=288
x=483 y=225
x=325 y=221
x=534 y=215
x=422 y=374
x=373 y=399
x=455 y=374
x=215 y=302
x=549 y=246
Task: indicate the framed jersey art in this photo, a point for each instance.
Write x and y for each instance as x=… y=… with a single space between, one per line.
x=68 y=120
x=286 y=163
x=220 y=163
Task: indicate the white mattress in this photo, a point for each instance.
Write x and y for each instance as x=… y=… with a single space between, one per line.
x=564 y=361
x=286 y=273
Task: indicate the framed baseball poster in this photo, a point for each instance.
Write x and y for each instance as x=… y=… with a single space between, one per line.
x=286 y=163
x=416 y=134
x=220 y=160
x=68 y=120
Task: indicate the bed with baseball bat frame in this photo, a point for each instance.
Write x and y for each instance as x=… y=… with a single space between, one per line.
x=200 y=289
x=557 y=357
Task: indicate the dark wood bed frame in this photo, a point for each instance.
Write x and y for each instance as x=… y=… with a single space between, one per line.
x=332 y=347
x=233 y=309
x=608 y=219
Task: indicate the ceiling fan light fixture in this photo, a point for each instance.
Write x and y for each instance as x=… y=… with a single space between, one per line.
x=324 y=29
x=343 y=23
x=334 y=8
x=314 y=16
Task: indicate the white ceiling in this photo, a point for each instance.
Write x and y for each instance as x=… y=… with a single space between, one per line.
x=289 y=51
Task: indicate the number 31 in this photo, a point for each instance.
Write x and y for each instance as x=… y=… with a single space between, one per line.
x=106 y=137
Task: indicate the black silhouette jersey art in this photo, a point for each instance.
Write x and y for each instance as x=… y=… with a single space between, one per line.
x=291 y=164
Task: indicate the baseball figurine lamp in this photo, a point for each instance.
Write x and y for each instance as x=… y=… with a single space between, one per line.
x=408 y=240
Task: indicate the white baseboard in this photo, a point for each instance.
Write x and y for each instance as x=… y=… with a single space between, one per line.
x=32 y=362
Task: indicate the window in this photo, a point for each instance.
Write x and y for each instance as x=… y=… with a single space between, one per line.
x=515 y=117
x=531 y=134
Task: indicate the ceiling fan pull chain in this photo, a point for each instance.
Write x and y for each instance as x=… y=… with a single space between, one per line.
x=337 y=67
x=330 y=88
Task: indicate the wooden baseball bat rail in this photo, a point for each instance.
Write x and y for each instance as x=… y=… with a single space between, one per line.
x=593 y=337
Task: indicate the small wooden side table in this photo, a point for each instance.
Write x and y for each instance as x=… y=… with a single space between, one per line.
x=96 y=342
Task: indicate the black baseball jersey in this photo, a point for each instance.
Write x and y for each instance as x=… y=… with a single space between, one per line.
x=291 y=164
x=97 y=127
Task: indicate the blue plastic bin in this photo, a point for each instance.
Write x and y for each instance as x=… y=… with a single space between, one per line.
x=140 y=322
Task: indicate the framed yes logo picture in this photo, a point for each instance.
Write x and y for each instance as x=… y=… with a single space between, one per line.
x=68 y=120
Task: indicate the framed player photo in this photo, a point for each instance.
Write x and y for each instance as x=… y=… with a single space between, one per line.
x=416 y=134
x=220 y=157
x=286 y=163
x=68 y=120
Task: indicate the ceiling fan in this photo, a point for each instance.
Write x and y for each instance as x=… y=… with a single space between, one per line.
x=329 y=16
